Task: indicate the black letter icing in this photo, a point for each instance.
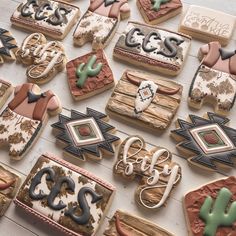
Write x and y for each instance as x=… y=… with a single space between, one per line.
x=128 y=39
x=58 y=17
x=147 y=40
x=38 y=15
x=25 y=8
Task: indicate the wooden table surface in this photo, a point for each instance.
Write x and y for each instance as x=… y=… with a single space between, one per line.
x=171 y=217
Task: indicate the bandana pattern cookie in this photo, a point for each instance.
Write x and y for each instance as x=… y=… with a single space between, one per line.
x=100 y=21
x=159 y=175
x=65 y=196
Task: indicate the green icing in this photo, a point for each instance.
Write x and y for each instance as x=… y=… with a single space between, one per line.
x=86 y=70
x=219 y=213
x=157 y=4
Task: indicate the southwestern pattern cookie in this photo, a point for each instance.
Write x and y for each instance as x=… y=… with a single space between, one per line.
x=89 y=75
x=65 y=196
x=215 y=79
x=206 y=142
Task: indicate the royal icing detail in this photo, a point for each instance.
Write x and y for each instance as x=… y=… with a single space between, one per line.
x=154 y=167
x=208 y=139
x=66 y=195
x=85 y=134
x=45 y=59
x=157 y=3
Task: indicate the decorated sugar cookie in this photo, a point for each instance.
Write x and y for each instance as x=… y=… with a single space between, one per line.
x=145 y=100
x=89 y=75
x=157 y=11
x=210 y=210
x=65 y=196
x=159 y=175
x=153 y=48
x=86 y=135
x=215 y=79
x=44 y=59
x=52 y=18
x=206 y=142
x=125 y=224
x=25 y=116
x=99 y=23
x=6 y=90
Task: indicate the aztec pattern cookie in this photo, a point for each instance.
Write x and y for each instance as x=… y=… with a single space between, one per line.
x=6 y=90
x=215 y=79
x=211 y=209
x=158 y=174
x=206 y=142
x=8 y=46
x=157 y=11
x=124 y=224
x=89 y=75
x=145 y=100
x=99 y=23
x=25 y=116
x=153 y=48
x=9 y=183
x=44 y=59
x=86 y=135
x=207 y=25
x=65 y=196
x=52 y=18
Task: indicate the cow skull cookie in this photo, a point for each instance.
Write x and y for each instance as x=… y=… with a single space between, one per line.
x=153 y=48
x=157 y=11
x=145 y=100
x=44 y=59
x=206 y=142
x=89 y=75
x=158 y=174
x=215 y=80
x=86 y=135
x=210 y=210
x=53 y=18
x=99 y=23
x=65 y=196
x=25 y=116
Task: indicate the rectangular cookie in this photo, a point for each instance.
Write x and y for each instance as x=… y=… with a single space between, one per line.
x=52 y=18
x=153 y=48
x=207 y=25
x=65 y=196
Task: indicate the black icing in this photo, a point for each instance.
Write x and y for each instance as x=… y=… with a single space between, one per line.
x=226 y=54
x=146 y=40
x=32 y=97
x=109 y=2
x=129 y=38
x=6 y=42
x=59 y=16
x=25 y=8
x=39 y=13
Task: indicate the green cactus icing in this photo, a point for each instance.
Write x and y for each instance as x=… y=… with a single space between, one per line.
x=219 y=213
x=157 y=4
x=86 y=70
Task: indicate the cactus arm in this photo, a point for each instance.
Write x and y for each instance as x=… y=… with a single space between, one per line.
x=157 y=4
x=97 y=69
x=230 y=217
x=81 y=75
x=206 y=208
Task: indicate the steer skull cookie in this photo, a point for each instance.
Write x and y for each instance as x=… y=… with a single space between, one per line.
x=145 y=100
x=206 y=142
x=125 y=224
x=86 y=135
x=215 y=80
x=99 y=23
x=25 y=116
x=211 y=209
x=53 y=18
x=157 y=11
x=44 y=59
x=158 y=174
x=65 y=196
x=89 y=75
x=153 y=48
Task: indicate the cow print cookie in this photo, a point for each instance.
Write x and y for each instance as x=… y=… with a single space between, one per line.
x=206 y=142
x=145 y=100
x=158 y=174
x=52 y=18
x=86 y=135
x=44 y=59
x=215 y=80
x=89 y=75
x=65 y=196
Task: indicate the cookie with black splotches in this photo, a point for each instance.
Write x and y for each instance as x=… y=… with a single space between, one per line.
x=89 y=75
x=206 y=142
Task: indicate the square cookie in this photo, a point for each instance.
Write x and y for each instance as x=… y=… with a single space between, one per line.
x=52 y=18
x=145 y=100
x=65 y=196
x=153 y=48
x=89 y=75
x=207 y=25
